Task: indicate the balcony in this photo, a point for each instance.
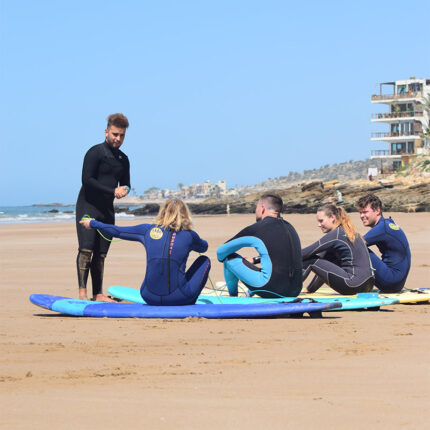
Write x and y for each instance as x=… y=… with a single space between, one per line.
x=395 y=134
x=395 y=115
x=402 y=96
x=380 y=153
x=384 y=153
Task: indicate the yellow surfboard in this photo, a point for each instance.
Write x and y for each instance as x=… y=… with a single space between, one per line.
x=405 y=296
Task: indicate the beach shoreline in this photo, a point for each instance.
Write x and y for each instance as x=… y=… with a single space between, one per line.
x=353 y=369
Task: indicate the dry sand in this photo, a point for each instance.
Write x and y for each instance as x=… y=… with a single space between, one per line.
x=346 y=370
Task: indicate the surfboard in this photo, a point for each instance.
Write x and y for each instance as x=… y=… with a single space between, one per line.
x=418 y=295
x=406 y=296
x=86 y=308
x=363 y=301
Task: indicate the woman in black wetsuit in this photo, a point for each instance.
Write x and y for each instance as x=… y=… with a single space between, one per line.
x=340 y=258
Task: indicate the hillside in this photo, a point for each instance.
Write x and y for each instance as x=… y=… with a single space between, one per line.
x=418 y=169
x=405 y=191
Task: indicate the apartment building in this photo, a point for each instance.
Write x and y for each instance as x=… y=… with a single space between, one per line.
x=407 y=117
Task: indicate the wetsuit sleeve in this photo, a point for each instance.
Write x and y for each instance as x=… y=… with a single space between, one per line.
x=226 y=249
x=325 y=243
x=198 y=245
x=90 y=170
x=375 y=234
x=135 y=233
x=125 y=179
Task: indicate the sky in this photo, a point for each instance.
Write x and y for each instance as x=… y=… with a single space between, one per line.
x=214 y=90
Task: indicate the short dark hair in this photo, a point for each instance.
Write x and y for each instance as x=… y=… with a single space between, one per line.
x=273 y=201
x=118 y=120
x=369 y=199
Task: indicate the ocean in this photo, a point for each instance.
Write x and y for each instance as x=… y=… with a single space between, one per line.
x=40 y=214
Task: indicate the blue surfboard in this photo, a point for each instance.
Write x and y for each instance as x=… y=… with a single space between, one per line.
x=361 y=301
x=86 y=308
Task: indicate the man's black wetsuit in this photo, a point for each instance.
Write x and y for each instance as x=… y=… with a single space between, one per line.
x=104 y=169
x=278 y=244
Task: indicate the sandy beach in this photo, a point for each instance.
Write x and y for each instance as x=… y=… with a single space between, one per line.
x=347 y=370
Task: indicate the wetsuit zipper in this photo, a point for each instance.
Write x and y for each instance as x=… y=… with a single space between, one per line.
x=290 y=242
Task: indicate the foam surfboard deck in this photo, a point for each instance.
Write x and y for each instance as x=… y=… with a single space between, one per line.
x=325 y=292
x=363 y=301
x=405 y=296
x=86 y=308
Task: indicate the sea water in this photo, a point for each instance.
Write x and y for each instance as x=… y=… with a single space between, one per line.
x=38 y=214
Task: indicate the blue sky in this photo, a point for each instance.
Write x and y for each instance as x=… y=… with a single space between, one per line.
x=234 y=90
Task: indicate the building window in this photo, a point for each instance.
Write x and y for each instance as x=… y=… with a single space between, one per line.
x=406 y=128
x=401 y=89
x=415 y=87
x=410 y=147
x=398 y=148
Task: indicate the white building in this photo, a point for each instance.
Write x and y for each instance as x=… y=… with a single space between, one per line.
x=406 y=117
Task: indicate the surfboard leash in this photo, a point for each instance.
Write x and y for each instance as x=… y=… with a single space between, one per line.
x=86 y=216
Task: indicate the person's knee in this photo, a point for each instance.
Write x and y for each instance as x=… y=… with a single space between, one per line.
x=98 y=262
x=84 y=258
x=99 y=256
x=202 y=259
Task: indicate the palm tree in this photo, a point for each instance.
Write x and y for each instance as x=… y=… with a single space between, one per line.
x=426 y=106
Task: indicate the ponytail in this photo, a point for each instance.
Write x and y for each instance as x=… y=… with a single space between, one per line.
x=345 y=221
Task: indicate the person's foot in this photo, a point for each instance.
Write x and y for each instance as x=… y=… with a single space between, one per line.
x=83 y=294
x=103 y=298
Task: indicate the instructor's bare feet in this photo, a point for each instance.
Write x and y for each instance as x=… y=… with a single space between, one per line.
x=83 y=294
x=103 y=298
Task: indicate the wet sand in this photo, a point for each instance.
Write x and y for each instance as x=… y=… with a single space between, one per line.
x=347 y=370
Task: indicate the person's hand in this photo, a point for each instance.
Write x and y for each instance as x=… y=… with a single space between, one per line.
x=121 y=192
x=86 y=222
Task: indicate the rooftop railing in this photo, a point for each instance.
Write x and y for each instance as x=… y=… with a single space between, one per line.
x=407 y=95
x=387 y=115
x=396 y=134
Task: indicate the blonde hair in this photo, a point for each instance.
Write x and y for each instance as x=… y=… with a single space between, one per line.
x=342 y=219
x=174 y=215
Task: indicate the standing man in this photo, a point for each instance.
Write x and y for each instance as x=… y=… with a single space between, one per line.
x=392 y=270
x=278 y=245
x=105 y=175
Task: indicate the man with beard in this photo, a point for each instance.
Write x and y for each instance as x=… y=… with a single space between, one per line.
x=105 y=176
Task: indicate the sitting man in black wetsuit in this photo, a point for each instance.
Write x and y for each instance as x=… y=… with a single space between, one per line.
x=279 y=251
x=105 y=175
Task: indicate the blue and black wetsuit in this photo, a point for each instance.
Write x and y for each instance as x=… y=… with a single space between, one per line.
x=103 y=170
x=336 y=261
x=278 y=245
x=393 y=269
x=166 y=281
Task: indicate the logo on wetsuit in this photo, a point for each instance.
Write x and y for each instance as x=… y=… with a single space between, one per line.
x=393 y=226
x=156 y=233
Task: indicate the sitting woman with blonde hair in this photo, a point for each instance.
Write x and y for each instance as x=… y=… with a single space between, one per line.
x=340 y=258
x=168 y=242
